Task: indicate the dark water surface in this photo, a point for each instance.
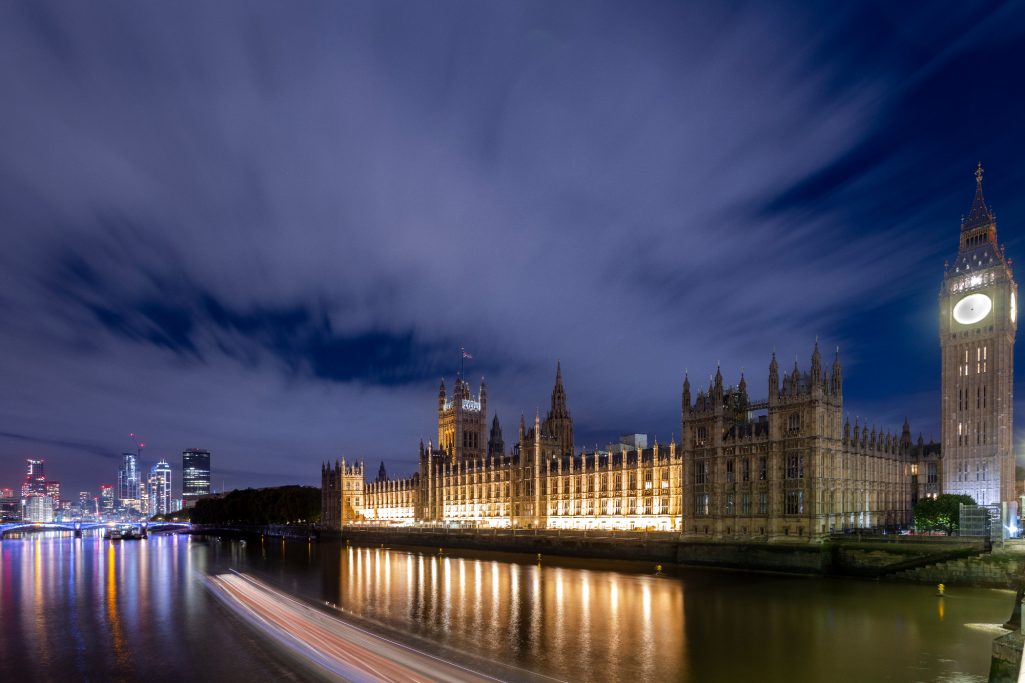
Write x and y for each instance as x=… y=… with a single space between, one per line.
x=90 y=609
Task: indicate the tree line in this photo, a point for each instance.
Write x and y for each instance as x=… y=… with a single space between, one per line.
x=278 y=505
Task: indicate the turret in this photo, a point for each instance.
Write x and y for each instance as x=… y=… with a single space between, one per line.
x=686 y=394
x=836 y=381
x=496 y=445
x=816 y=367
x=717 y=389
x=441 y=396
x=773 y=379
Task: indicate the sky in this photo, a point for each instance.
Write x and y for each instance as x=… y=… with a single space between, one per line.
x=267 y=229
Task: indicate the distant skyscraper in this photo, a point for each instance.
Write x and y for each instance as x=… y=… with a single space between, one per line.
x=195 y=475
x=160 y=489
x=35 y=479
x=39 y=509
x=10 y=505
x=53 y=490
x=128 y=481
x=106 y=498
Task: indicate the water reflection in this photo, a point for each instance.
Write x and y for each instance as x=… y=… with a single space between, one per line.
x=129 y=610
x=565 y=618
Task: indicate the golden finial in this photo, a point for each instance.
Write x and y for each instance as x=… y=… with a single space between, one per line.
x=978 y=173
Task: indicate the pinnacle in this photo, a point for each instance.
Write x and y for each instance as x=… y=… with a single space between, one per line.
x=979 y=215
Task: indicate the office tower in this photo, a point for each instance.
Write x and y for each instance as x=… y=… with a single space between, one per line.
x=195 y=475
x=160 y=489
x=106 y=498
x=35 y=479
x=145 y=506
x=53 y=490
x=10 y=506
x=39 y=508
x=128 y=482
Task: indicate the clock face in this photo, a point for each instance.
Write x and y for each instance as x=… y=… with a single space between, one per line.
x=973 y=308
x=1014 y=308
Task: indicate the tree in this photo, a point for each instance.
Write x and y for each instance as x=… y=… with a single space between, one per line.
x=280 y=505
x=942 y=513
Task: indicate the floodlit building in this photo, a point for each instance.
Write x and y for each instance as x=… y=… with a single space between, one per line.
x=978 y=321
x=106 y=498
x=783 y=466
x=38 y=509
x=542 y=483
x=128 y=492
x=160 y=489
x=35 y=479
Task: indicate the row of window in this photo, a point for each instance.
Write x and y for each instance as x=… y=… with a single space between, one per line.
x=964 y=401
x=964 y=472
x=981 y=361
x=701 y=504
x=964 y=435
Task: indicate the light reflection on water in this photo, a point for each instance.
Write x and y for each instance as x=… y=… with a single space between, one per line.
x=89 y=608
x=565 y=617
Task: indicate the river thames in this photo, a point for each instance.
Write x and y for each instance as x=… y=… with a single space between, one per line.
x=90 y=609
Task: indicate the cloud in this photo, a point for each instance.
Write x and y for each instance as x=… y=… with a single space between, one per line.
x=269 y=232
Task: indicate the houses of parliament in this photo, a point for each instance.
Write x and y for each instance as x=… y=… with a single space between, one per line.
x=779 y=463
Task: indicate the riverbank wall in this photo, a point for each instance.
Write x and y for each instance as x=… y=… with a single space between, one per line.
x=871 y=557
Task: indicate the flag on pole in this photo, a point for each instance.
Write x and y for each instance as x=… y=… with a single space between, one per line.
x=466 y=354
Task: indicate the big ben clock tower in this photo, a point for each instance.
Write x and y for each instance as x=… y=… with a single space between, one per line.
x=978 y=318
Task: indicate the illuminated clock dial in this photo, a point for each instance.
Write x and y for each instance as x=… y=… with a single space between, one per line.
x=973 y=308
x=1014 y=308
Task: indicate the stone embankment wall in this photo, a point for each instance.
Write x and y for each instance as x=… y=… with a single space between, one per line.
x=1005 y=663
x=995 y=570
x=869 y=558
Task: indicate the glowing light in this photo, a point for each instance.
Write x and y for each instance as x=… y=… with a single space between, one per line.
x=972 y=308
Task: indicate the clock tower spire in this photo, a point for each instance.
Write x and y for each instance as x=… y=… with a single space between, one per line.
x=978 y=320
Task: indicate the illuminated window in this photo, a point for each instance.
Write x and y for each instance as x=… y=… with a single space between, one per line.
x=701 y=505
x=794 y=502
x=728 y=508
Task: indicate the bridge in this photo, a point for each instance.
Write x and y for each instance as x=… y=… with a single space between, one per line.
x=78 y=527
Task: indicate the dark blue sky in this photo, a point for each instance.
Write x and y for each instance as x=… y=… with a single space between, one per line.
x=267 y=229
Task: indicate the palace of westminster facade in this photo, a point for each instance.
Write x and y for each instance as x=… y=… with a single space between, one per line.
x=789 y=467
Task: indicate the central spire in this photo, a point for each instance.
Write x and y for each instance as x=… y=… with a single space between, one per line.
x=979 y=216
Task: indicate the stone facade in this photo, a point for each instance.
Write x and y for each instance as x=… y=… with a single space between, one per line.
x=542 y=483
x=791 y=467
x=783 y=469
x=978 y=321
x=787 y=467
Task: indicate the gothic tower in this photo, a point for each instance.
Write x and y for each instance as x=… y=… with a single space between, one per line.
x=558 y=424
x=462 y=421
x=978 y=319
